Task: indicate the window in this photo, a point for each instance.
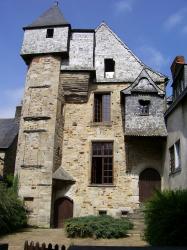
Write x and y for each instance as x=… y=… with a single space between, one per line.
x=102 y=163
x=102 y=212
x=175 y=161
x=144 y=107
x=50 y=33
x=109 y=68
x=101 y=107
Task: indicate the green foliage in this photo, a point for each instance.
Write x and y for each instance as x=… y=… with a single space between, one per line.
x=12 y=211
x=97 y=226
x=166 y=219
x=9 y=180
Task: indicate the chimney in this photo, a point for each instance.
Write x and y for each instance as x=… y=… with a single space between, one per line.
x=18 y=114
x=176 y=65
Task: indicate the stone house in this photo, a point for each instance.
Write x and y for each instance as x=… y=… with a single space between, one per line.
x=175 y=170
x=92 y=130
x=9 y=129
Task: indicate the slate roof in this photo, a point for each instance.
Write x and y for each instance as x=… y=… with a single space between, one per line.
x=144 y=126
x=52 y=17
x=8 y=131
x=61 y=174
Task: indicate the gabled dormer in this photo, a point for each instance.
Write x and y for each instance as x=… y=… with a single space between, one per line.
x=144 y=107
x=48 y=34
x=143 y=84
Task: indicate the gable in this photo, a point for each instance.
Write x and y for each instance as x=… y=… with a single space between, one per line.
x=143 y=83
x=128 y=65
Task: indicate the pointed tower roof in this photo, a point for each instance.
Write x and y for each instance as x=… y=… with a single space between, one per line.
x=52 y=17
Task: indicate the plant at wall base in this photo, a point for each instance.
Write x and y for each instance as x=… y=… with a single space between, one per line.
x=95 y=226
x=12 y=212
x=166 y=219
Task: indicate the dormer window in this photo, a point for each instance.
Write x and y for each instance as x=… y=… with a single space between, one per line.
x=109 y=68
x=144 y=107
x=50 y=33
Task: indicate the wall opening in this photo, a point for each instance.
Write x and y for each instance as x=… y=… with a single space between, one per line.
x=109 y=68
x=50 y=33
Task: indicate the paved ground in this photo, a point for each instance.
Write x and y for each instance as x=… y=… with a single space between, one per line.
x=57 y=236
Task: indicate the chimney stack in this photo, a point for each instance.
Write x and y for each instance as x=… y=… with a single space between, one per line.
x=176 y=65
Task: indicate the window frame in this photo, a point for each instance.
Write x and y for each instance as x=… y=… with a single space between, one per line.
x=91 y=164
x=143 y=105
x=175 y=160
x=109 y=107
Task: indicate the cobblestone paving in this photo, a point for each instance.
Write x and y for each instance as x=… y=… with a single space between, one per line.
x=57 y=236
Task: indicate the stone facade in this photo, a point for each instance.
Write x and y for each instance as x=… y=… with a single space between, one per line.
x=36 y=158
x=57 y=129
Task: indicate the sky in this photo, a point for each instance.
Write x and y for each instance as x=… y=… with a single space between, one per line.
x=156 y=32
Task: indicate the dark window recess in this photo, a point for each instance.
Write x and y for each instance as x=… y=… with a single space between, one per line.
x=102 y=163
x=102 y=212
x=62 y=108
x=172 y=158
x=109 y=68
x=50 y=33
x=124 y=212
x=101 y=107
x=144 y=107
x=28 y=198
x=58 y=151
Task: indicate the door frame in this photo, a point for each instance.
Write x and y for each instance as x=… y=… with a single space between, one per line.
x=158 y=175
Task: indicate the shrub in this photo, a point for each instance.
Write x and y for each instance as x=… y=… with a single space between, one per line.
x=12 y=211
x=97 y=226
x=166 y=219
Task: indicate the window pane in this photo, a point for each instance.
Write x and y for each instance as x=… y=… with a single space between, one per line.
x=98 y=108
x=172 y=158
x=97 y=170
x=177 y=154
x=106 y=108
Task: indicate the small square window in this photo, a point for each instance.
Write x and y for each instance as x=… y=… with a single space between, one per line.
x=124 y=212
x=144 y=107
x=102 y=212
x=50 y=33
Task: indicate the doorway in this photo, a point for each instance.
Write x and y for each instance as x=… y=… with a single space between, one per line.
x=63 y=209
x=149 y=181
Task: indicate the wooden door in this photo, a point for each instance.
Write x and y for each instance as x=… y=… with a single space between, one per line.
x=63 y=209
x=149 y=181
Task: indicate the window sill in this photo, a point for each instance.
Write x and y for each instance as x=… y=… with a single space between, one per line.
x=96 y=124
x=178 y=170
x=101 y=185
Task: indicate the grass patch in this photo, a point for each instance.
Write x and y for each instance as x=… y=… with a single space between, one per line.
x=103 y=226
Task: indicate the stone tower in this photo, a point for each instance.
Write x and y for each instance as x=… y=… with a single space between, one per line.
x=45 y=44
